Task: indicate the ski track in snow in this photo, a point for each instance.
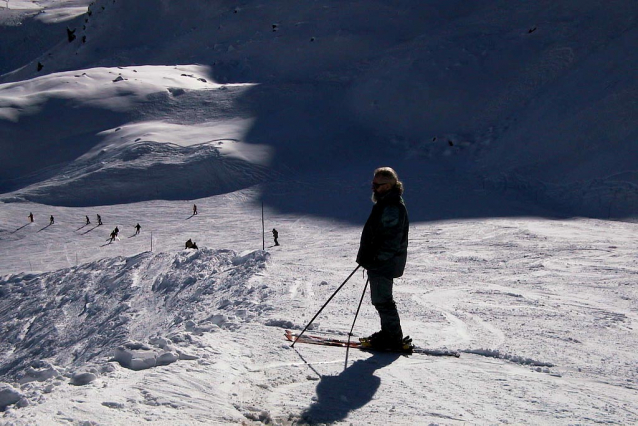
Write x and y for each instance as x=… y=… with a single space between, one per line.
x=542 y=341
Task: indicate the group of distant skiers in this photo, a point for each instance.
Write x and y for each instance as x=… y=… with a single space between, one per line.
x=51 y=219
x=115 y=232
x=99 y=220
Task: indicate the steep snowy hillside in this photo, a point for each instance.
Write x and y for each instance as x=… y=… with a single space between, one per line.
x=28 y=29
x=530 y=100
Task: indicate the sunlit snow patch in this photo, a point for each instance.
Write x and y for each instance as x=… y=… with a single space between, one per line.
x=116 y=89
x=49 y=10
x=142 y=311
x=83 y=140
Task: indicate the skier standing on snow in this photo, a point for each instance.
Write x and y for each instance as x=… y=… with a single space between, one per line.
x=137 y=229
x=99 y=220
x=275 y=235
x=194 y=209
x=87 y=220
x=383 y=253
x=51 y=220
x=30 y=217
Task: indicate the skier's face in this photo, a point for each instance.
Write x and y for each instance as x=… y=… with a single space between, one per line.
x=380 y=185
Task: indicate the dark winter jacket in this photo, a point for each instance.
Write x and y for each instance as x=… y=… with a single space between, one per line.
x=384 y=240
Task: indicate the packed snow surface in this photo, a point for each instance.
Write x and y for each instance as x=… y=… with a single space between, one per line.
x=543 y=312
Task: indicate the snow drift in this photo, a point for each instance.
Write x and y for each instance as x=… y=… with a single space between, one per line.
x=94 y=159
x=86 y=315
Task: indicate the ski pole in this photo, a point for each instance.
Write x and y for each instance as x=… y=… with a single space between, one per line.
x=358 y=308
x=355 y=320
x=324 y=305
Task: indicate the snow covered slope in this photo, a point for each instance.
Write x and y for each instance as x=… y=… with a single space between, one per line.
x=544 y=313
x=534 y=99
x=95 y=159
x=492 y=112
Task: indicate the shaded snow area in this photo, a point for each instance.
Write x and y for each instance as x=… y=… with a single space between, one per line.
x=530 y=101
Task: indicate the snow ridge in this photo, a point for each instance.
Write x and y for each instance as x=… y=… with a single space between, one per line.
x=108 y=307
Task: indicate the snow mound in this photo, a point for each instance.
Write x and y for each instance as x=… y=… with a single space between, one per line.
x=99 y=148
x=57 y=323
x=8 y=395
x=121 y=175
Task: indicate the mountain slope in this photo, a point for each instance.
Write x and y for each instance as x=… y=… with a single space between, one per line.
x=532 y=98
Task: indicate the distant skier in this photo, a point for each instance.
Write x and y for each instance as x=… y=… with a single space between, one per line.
x=88 y=222
x=113 y=236
x=30 y=217
x=383 y=253
x=51 y=220
x=275 y=235
x=194 y=210
x=70 y=34
x=191 y=244
x=137 y=229
x=99 y=220
x=117 y=231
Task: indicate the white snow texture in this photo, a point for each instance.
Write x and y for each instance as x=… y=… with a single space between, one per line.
x=513 y=125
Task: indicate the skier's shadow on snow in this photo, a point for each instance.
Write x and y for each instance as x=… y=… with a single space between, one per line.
x=84 y=233
x=109 y=242
x=338 y=395
x=20 y=228
x=45 y=227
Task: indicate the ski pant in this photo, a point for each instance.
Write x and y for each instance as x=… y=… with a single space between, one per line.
x=381 y=293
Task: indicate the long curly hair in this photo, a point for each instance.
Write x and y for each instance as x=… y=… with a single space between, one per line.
x=391 y=175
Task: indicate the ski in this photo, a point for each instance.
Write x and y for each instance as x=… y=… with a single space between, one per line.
x=321 y=340
x=327 y=341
